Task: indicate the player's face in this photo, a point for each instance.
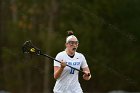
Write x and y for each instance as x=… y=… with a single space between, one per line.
x=72 y=45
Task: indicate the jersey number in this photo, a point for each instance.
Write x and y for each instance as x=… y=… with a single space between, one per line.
x=72 y=71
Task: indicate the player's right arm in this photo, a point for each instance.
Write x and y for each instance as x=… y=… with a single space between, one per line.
x=58 y=70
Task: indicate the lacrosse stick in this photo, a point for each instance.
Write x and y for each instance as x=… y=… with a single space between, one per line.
x=29 y=48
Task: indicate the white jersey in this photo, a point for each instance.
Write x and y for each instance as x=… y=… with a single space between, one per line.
x=68 y=81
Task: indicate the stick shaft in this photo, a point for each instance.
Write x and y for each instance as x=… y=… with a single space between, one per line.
x=60 y=62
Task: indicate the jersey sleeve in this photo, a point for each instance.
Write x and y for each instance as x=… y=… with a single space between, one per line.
x=58 y=57
x=84 y=62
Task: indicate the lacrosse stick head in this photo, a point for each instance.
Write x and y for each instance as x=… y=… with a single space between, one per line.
x=29 y=48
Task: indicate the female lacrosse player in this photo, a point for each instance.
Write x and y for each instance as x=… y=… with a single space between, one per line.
x=66 y=77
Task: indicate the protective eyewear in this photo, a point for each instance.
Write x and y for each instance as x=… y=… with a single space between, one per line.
x=73 y=42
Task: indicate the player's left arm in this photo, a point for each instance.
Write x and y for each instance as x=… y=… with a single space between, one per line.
x=87 y=74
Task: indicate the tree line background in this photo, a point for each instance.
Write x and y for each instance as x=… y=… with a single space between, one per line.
x=108 y=31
